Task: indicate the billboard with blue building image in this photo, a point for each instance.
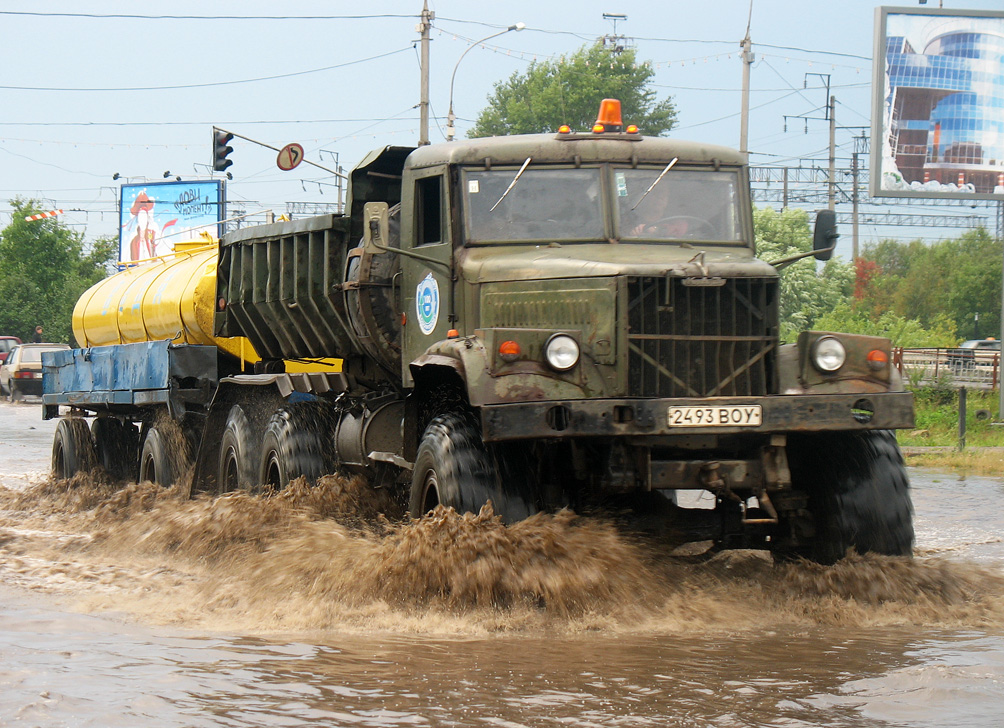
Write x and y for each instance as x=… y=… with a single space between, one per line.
x=938 y=116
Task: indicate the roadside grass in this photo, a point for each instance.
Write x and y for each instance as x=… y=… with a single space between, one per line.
x=970 y=461
x=937 y=415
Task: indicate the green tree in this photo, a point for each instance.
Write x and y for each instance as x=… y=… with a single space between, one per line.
x=956 y=279
x=44 y=267
x=902 y=331
x=569 y=90
x=808 y=291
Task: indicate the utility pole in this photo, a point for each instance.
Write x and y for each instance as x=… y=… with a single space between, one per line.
x=744 y=119
x=423 y=105
x=832 y=187
x=854 y=205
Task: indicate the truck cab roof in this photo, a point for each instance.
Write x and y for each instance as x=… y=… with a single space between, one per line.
x=573 y=149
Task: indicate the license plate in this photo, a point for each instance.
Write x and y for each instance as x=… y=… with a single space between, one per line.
x=745 y=415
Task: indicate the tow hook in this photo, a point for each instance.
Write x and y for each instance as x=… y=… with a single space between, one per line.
x=717 y=482
x=712 y=480
x=764 y=500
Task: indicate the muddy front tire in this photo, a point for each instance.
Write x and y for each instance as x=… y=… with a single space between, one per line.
x=72 y=448
x=858 y=493
x=454 y=468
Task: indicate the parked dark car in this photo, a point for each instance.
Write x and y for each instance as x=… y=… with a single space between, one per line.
x=6 y=344
x=965 y=357
x=21 y=374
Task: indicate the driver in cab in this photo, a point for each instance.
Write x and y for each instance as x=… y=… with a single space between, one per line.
x=659 y=215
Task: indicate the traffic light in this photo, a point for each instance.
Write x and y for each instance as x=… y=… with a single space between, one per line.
x=221 y=148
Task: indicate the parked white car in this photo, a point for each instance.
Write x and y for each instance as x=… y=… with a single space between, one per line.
x=21 y=374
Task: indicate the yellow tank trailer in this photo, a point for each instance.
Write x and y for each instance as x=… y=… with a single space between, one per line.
x=163 y=298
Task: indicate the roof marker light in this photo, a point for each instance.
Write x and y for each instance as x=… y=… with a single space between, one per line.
x=564 y=129
x=609 y=115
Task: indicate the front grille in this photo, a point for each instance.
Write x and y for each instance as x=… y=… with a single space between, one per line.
x=702 y=340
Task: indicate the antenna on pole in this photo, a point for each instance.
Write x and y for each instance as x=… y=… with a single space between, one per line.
x=616 y=43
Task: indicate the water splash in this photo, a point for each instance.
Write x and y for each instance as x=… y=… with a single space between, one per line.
x=342 y=556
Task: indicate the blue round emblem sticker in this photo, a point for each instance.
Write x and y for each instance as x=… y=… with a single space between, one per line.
x=427 y=303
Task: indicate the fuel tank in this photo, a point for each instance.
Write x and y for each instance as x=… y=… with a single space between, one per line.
x=172 y=297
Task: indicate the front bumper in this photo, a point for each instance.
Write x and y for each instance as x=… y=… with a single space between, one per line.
x=649 y=417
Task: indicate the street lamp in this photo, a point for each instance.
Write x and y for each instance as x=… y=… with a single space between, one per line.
x=451 y=117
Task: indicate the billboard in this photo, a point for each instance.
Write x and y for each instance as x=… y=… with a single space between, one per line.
x=938 y=104
x=155 y=215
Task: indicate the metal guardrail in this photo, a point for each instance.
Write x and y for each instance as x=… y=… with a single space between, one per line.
x=974 y=368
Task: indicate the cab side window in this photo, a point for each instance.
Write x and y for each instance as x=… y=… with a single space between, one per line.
x=429 y=210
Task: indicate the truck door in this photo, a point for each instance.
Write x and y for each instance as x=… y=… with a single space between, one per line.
x=426 y=285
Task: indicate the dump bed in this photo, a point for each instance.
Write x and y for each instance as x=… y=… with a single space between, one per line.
x=280 y=285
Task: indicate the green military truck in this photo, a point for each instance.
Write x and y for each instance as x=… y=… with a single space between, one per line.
x=545 y=321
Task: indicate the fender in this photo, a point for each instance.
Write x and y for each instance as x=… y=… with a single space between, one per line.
x=472 y=363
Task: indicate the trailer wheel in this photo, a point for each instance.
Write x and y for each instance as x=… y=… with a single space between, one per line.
x=454 y=468
x=72 y=449
x=115 y=446
x=294 y=445
x=155 y=463
x=238 y=465
x=858 y=493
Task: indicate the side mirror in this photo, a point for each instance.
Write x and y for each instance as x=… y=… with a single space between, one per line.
x=376 y=227
x=824 y=239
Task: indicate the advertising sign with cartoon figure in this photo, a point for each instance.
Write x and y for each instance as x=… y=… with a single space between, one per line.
x=156 y=215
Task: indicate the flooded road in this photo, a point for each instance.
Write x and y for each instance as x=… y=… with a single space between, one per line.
x=125 y=607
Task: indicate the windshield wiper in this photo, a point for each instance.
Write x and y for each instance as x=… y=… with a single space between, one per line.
x=651 y=186
x=513 y=183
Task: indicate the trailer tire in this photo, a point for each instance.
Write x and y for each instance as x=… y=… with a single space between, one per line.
x=155 y=463
x=72 y=448
x=294 y=445
x=238 y=466
x=115 y=446
x=858 y=493
x=454 y=468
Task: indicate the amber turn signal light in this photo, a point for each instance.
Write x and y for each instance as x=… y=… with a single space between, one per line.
x=877 y=359
x=509 y=351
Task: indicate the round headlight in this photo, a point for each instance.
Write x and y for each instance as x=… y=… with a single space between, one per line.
x=828 y=354
x=561 y=352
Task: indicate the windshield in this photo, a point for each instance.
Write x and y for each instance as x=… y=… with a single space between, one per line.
x=682 y=205
x=544 y=204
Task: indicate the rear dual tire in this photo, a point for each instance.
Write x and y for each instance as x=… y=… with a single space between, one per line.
x=295 y=444
x=72 y=448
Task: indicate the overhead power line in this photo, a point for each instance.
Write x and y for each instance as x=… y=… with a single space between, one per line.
x=212 y=83
x=139 y=16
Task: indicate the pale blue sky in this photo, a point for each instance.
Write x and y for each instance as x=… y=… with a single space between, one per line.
x=63 y=145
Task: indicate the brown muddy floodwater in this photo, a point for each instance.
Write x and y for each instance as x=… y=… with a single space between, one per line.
x=129 y=606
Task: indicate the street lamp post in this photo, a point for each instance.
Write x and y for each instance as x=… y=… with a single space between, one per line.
x=451 y=117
